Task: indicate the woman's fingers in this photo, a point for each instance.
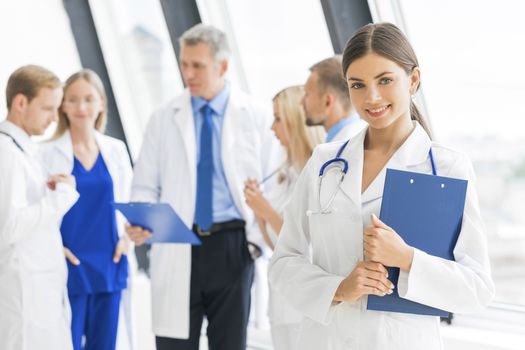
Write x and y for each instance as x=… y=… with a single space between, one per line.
x=117 y=255
x=71 y=257
x=375 y=266
x=381 y=284
x=378 y=223
x=373 y=291
x=376 y=276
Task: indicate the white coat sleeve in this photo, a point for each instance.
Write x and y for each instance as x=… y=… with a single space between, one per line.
x=19 y=221
x=305 y=285
x=460 y=286
x=146 y=185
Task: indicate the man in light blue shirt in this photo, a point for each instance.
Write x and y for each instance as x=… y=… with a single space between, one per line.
x=224 y=208
x=197 y=152
x=326 y=101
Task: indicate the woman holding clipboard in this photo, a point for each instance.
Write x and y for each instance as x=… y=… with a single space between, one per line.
x=333 y=249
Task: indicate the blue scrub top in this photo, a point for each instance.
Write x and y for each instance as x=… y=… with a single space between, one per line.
x=89 y=230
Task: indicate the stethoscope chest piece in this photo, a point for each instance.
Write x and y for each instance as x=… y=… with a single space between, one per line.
x=333 y=164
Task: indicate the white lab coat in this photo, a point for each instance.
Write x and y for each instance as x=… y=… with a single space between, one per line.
x=34 y=310
x=315 y=253
x=350 y=130
x=285 y=320
x=58 y=157
x=166 y=172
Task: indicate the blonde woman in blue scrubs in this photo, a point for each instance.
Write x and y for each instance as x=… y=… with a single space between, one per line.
x=94 y=241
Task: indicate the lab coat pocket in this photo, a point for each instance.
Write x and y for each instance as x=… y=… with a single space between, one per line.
x=314 y=335
x=410 y=331
x=45 y=293
x=338 y=234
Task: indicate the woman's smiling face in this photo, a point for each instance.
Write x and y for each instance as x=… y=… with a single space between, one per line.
x=380 y=90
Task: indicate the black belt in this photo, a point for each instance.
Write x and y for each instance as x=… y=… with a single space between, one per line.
x=221 y=226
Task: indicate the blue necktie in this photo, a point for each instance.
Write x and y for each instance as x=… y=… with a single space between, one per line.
x=204 y=203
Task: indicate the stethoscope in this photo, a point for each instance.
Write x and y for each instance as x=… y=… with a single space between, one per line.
x=13 y=139
x=343 y=166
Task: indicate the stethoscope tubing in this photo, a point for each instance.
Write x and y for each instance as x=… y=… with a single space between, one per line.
x=344 y=171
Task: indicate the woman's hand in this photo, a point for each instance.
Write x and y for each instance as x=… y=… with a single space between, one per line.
x=137 y=234
x=122 y=248
x=255 y=199
x=366 y=278
x=71 y=257
x=383 y=245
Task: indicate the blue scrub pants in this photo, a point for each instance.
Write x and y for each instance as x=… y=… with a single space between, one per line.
x=96 y=317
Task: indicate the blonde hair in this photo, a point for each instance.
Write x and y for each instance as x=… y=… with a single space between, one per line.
x=92 y=78
x=302 y=138
x=28 y=80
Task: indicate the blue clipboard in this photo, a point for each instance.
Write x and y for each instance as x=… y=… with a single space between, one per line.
x=426 y=211
x=160 y=219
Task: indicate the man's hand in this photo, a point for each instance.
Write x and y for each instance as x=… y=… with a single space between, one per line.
x=137 y=234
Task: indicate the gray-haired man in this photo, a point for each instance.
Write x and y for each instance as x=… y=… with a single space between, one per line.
x=197 y=152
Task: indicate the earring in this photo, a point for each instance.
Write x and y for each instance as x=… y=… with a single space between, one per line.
x=413 y=96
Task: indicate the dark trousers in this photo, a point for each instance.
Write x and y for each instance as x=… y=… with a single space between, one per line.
x=221 y=279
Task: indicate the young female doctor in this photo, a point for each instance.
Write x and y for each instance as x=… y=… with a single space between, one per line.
x=94 y=247
x=332 y=248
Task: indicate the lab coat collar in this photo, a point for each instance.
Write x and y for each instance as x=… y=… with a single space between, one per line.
x=233 y=114
x=21 y=137
x=412 y=152
x=415 y=148
x=64 y=145
x=353 y=153
x=183 y=119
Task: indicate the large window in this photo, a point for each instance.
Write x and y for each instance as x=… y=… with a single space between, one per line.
x=140 y=59
x=276 y=41
x=50 y=43
x=471 y=54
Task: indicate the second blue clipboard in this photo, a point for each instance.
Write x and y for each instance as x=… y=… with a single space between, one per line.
x=426 y=211
x=160 y=219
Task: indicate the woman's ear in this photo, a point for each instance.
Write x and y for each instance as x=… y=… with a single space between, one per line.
x=414 y=80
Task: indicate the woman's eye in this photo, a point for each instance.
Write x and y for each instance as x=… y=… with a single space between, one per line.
x=385 y=81
x=356 y=85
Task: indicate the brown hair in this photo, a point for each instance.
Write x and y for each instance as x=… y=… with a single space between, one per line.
x=329 y=78
x=302 y=138
x=28 y=80
x=387 y=40
x=92 y=78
